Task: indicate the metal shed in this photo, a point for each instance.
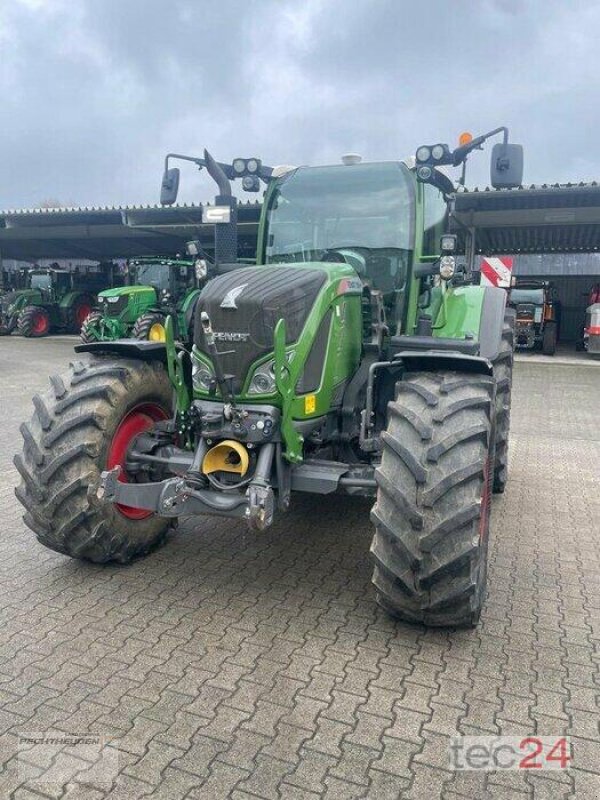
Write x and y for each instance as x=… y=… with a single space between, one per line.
x=553 y=232
x=100 y=234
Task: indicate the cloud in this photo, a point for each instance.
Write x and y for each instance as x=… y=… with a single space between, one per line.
x=95 y=93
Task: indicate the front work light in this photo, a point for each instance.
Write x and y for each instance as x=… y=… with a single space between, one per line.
x=448 y=243
x=200 y=268
x=423 y=153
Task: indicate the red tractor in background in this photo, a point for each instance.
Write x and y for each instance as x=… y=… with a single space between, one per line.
x=590 y=339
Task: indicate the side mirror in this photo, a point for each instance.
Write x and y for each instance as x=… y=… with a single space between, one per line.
x=506 y=168
x=169 y=187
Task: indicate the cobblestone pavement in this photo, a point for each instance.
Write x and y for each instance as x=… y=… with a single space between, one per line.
x=234 y=665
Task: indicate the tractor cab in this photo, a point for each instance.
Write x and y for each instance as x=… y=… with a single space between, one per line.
x=51 y=283
x=166 y=275
x=362 y=215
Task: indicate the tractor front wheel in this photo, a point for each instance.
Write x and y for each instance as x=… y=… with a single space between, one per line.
x=433 y=499
x=503 y=370
x=90 y=327
x=33 y=322
x=150 y=326
x=549 y=339
x=85 y=424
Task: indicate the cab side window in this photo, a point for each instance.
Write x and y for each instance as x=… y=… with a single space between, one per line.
x=434 y=219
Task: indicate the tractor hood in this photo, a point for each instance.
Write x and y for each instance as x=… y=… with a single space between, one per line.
x=23 y=296
x=126 y=291
x=245 y=305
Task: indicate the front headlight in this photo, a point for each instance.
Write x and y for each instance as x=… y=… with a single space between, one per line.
x=203 y=376
x=263 y=380
x=201 y=268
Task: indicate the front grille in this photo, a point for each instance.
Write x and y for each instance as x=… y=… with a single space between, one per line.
x=114 y=309
x=266 y=295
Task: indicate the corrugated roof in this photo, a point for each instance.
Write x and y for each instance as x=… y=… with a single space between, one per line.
x=110 y=232
x=536 y=219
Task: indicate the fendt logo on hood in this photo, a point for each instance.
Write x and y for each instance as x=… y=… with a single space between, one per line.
x=232 y=295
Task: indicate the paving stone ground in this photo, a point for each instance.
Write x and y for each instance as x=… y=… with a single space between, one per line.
x=236 y=665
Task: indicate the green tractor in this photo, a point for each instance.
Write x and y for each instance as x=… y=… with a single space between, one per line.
x=354 y=358
x=53 y=300
x=159 y=287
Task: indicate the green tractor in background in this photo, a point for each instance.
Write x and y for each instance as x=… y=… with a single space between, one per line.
x=159 y=287
x=53 y=300
x=354 y=358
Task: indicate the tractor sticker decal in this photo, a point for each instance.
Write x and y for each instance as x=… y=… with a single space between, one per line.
x=232 y=295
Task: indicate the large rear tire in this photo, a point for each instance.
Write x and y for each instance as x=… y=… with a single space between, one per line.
x=33 y=322
x=503 y=370
x=83 y=425
x=150 y=326
x=433 y=499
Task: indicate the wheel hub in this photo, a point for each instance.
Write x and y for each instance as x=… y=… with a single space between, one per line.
x=137 y=421
x=157 y=333
x=39 y=323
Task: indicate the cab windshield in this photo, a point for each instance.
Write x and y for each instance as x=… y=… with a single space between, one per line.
x=156 y=275
x=535 y=296
x=362 y=214
x=41 y=280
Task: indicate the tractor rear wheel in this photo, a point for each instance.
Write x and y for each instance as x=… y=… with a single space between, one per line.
x=503 y=369
x=85 y=424
x=78 y=314
x=549 y=339
x=433 y=499
x=90 y=324
x=33 y=322
x=150 y=326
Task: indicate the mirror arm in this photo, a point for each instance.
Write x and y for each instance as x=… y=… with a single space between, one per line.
x=459 y=155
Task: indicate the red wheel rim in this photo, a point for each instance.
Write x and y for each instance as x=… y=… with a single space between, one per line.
x=139 y=420
x=81 y=313
x=486 y=497
x=39 y=323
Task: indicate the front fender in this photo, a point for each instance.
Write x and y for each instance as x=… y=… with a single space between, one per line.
x=127 y=348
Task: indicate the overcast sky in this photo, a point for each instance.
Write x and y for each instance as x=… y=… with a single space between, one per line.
x=95 y=92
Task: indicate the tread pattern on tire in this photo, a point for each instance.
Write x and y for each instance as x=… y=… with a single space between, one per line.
x=25 y=322
x=430 y=563
x=503 y=369
x=141 y=328
x=89 y=322
x=65 y=447
x=549 y=338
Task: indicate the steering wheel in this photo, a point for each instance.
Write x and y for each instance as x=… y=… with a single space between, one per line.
x=333 y=257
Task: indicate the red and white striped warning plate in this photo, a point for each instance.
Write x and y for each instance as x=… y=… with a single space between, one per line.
x=496 y=271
